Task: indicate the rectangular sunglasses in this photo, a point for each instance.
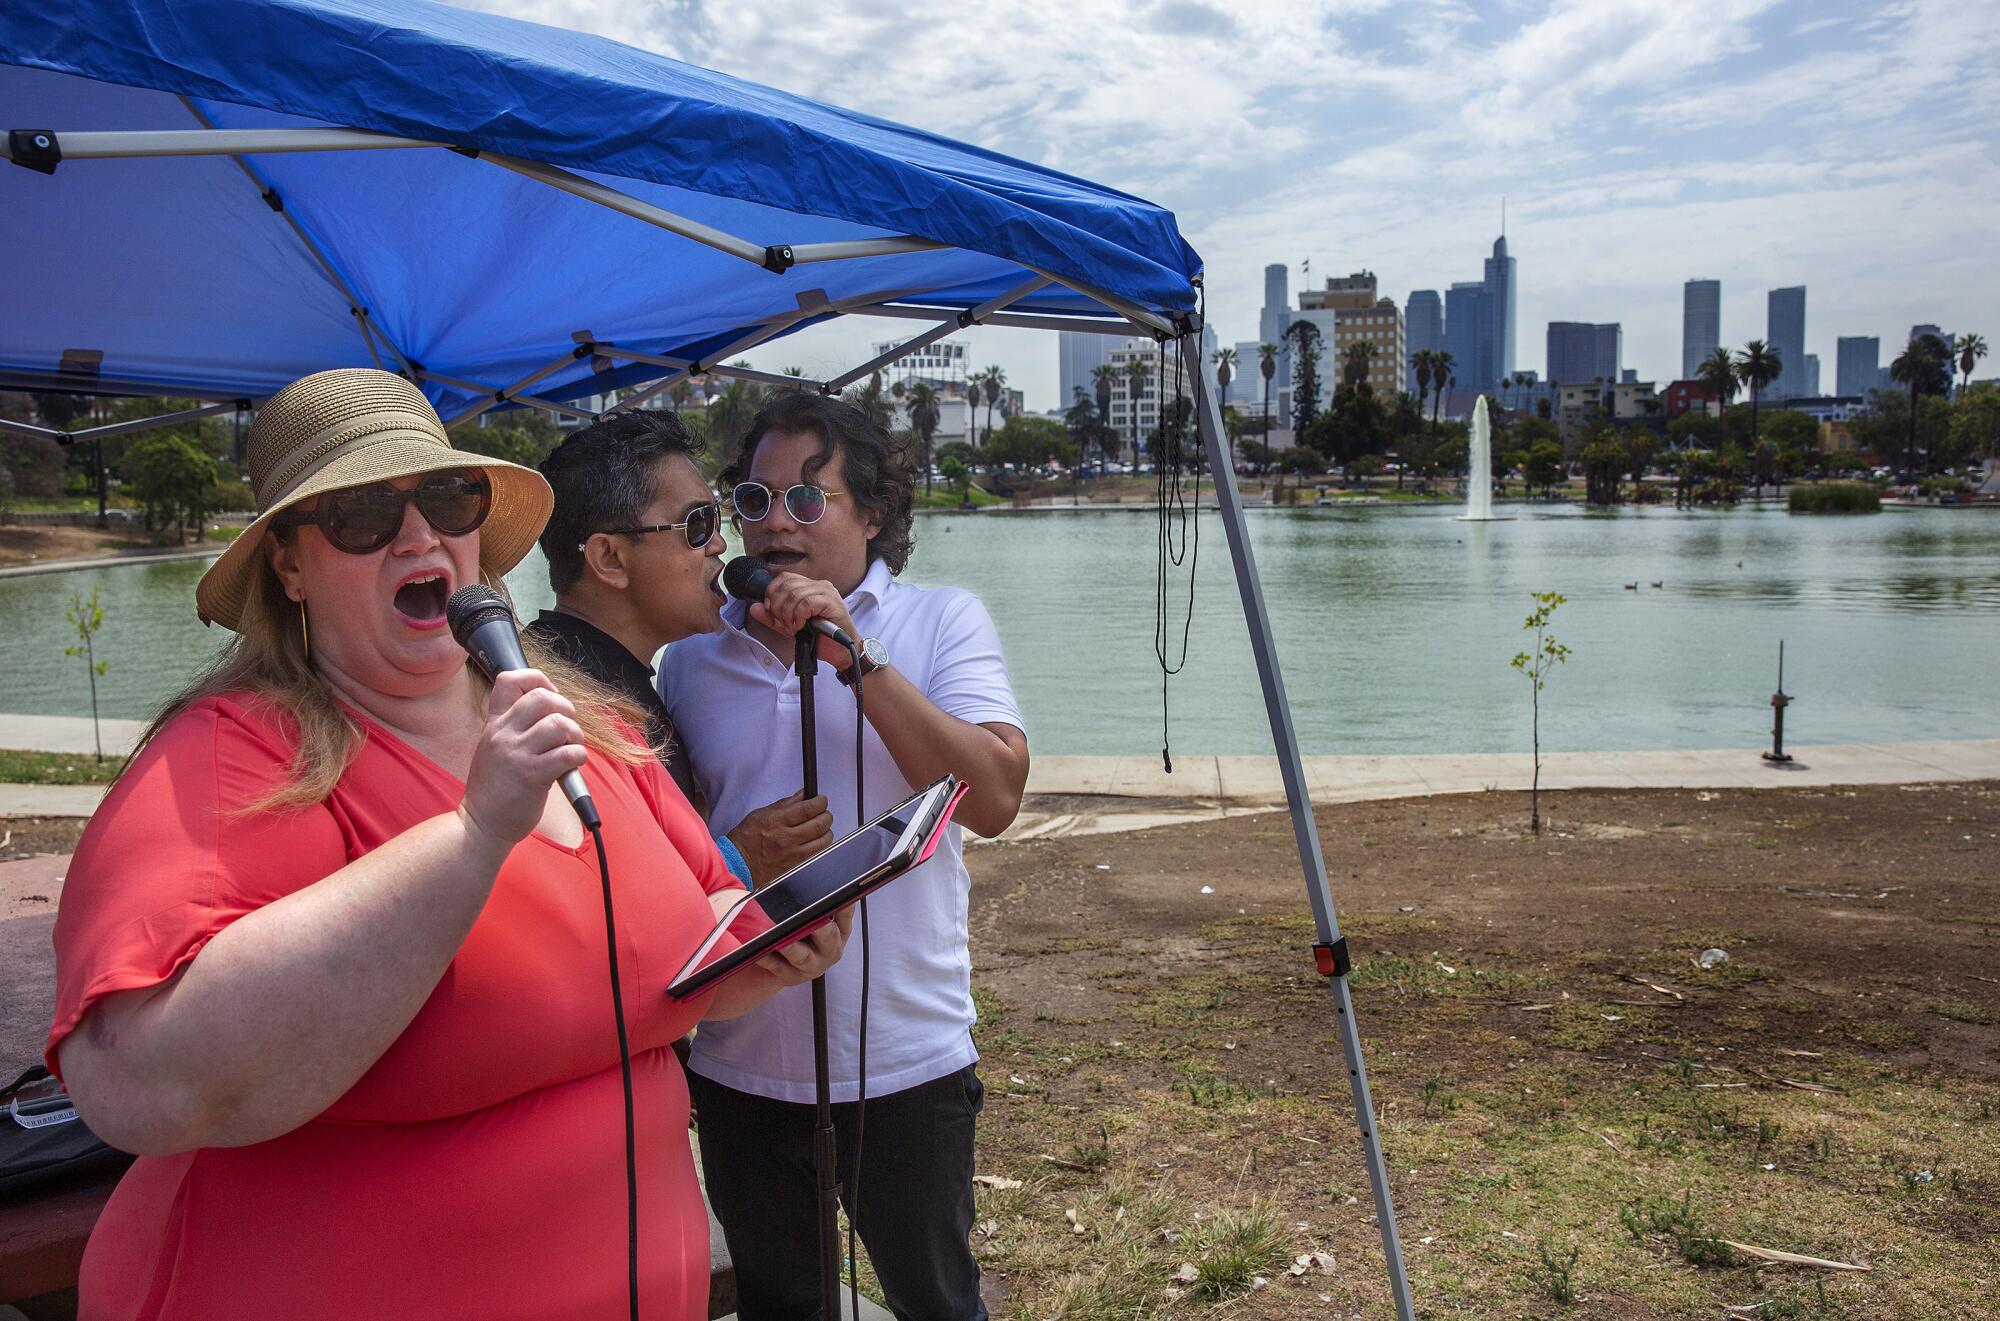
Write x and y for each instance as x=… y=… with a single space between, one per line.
x=363 y=519
x=698 y=527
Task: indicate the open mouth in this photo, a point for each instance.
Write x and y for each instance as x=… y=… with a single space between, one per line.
x=420 y=599
x=783 y=560
x=715 y=588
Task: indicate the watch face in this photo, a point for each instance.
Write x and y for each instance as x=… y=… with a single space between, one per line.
x=877 y=654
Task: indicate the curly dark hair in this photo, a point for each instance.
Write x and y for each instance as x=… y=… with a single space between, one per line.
x=874 y=468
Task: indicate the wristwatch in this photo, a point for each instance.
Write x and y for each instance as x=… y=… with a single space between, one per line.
x=873 y=657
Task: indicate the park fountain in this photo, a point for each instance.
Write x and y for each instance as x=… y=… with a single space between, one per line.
x=1479 y=468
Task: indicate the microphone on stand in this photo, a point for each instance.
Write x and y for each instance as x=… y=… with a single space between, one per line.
x=747 y=578
x=484 y=625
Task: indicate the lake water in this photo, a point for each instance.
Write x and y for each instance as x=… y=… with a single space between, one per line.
x=1395 y=626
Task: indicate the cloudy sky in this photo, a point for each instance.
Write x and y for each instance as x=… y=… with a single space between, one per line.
x=1848 y=147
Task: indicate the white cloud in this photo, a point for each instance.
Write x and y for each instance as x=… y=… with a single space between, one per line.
x=1640 y=142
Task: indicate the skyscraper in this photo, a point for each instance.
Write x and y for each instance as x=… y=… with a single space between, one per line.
x=1271 y=323
x=1786 y=332
x=1464 y=320
x=1701 y=323
x=1496 y=357
x=1581 y=352
x=1078 y=352
x=1857 y=365
x=1812 y=376
x=1423 y=328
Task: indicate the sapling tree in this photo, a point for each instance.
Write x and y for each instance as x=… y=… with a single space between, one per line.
x=86 y=616
x=1536 y=664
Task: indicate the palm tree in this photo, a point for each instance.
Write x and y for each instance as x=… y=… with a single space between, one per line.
x=1757 y=366
x=995 y=380
x=925 y=414
x=1267 y=363
x=1225 y=371
x=1420 y=363
x=1923 y=367
x=1717 y=374
x=1137 y=372
x=1358 y=361
x=1441 y=365
x=1971 y=348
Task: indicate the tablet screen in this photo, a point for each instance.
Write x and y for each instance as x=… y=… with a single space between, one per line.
x=820 y=885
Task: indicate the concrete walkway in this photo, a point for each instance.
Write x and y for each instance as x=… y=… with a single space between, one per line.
x=112 y=561
x=1216 y=786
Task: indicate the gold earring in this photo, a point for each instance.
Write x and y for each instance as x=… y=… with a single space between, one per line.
x=305 y=638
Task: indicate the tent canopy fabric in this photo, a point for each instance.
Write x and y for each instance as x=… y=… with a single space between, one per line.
x=218 y=275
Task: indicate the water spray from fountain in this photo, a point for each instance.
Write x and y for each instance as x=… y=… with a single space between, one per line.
x=1479 y=468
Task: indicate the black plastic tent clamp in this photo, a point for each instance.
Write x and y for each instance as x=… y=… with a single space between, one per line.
x=35 y=149
x=778 y=258
x=1332 y=960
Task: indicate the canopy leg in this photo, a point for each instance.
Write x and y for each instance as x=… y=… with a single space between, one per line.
x=1208 y=419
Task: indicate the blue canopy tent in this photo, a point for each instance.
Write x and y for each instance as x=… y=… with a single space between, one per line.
x=215 y=197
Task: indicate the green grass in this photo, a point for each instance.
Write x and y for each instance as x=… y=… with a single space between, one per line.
x=942 y=497
x=57 y=768
x=1963 y=1011
x=1834 y=498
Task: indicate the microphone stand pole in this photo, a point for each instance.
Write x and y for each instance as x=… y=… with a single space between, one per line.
x=806 y=664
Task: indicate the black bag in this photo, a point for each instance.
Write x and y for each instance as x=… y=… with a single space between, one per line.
x=44 y=1145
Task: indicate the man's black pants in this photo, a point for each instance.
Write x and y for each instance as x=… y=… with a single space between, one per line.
x=915 y=1196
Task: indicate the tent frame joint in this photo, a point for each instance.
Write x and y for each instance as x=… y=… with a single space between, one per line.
x=778 y=258
x=37 y=149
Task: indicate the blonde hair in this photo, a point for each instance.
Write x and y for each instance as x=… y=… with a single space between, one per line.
x=266 y=663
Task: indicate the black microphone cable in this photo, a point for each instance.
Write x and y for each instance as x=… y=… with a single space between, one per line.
x=861 y=1034
x=625 y=1072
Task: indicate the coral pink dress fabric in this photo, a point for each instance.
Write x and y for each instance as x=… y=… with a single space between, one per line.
x=478 y=1168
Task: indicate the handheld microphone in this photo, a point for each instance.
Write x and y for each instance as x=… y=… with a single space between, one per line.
x=484 y=625
x=747 y=578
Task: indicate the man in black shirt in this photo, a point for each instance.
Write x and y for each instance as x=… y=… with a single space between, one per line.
x=635 y=550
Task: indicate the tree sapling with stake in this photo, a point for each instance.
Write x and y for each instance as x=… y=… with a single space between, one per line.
x=1536 y=664
x=86 y=617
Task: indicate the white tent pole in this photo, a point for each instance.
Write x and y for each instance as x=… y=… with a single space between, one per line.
x=512 y=393
x=1150 y=320
x=505 y=396
x=118 y=145
x=848 y=249
x=1305 y=831
x=970 y=317
x=39 y=433
x=626 y=204
x=1022 y=320
x=276 y=202
x=110 y=429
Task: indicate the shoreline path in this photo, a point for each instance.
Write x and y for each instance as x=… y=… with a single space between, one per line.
x=1089 y=795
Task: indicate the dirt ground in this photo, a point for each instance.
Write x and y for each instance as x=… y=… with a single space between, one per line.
x=1168 y=1120
x=26 y=836
x=1552 y=1071
x=26 y=545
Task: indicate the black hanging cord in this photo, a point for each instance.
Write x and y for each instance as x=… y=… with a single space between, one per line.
x=861 y=1041
x=1173 y=519
x=625 y=1071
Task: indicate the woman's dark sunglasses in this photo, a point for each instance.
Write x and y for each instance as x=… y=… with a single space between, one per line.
x=806 y=504
x=362 y=519
x=699 y=526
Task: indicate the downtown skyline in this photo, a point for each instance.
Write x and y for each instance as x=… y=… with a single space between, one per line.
x=1638 y=144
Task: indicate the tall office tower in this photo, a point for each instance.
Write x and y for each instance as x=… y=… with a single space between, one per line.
x=1812 y=375
x=1786 y=332
x=1497 y=340
x=1582 y=353
x=1857 y=365
x=1271 y=322
x=1464 y=323
x=1423 y=328
x=1701 y=323
x=1078 y=353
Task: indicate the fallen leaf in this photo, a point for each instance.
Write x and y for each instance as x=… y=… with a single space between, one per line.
x=1792 y=1258
x=995 y=1181
x=1075 y=1225
x=1187 y=1274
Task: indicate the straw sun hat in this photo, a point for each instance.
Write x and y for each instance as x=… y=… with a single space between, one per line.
x=347 y=428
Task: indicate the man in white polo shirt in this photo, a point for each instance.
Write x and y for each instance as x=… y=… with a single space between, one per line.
x=824 y=497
